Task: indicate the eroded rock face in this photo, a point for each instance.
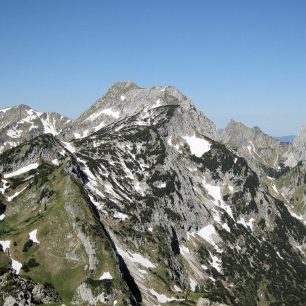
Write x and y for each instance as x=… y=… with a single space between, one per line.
x=261 y=150
x=17 y=290
x=299 y=145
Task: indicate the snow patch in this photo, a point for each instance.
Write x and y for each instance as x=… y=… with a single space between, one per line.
x=161 y=297
x=136 y=258
x=156 y=104
x=274 y=188
x=2 y=217
x=142 y=271
x=215 y=193
x=5 y=244
x=162 y=185
x=198 y=146
x=279 y=255
x=99 y=126
x=55 y=162
x=177 y=289
x=49 y=127
x=111 y=113
x=216 y=263
x=204 y=267
x=184 y=249
x=122 y=98
x=68 y=146
x=9 y=199
x=226 y=227
x=106 y=275
x=193 y=284
x=13 y=133
x=246 y=223
x=121 y=216
x=208 y=233
x=21 y=170
x=33 y=236
x=16 y=265
x=4 y=110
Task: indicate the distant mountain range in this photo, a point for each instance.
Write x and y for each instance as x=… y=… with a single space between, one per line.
x=289 y=138
x=142 y=201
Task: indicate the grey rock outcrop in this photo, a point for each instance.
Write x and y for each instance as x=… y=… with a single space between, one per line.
x=17 y=290
x=260 y=149
x=299 y=145
x=21 y=123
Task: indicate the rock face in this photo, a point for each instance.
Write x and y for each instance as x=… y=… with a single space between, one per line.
x=299 y=145
x=21 y=123
x=151 y=208
x=16 y=290
x=261 y=150
x=125 y=100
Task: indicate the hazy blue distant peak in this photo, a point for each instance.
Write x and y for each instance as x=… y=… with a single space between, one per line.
x=288 y=138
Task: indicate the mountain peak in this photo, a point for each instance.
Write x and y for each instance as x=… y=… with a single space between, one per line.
x=23 y=107
x=124 y=86
x=257 y=130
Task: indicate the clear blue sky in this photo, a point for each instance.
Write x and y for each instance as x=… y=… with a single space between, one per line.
x=234 y=58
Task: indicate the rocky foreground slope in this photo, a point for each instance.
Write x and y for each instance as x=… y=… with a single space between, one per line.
x=138 y=203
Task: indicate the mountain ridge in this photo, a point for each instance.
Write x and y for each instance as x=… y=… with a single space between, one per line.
x=150 y=208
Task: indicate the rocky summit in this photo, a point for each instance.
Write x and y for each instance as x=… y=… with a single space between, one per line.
x=142 y=201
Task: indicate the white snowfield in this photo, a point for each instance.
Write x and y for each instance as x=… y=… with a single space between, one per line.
x=215 y=193
x=198 y=146
x=106 y=275
x=4 y=110
x=208 y=233
x=21 y=170
x=177 y=289
x=68 y=146
x=162 y=298
x=136 y=258
x=156 y=104
x=55 y=162
x=121 y=216
x=216 y=263
x=5 y=244
x=111 y=113
x=10 y=198
x=99 y=126
x=49 y=127
x=13 y=133
x=16 y=265
x=107 y=111
x=2 y=217
x=193 y=284
x=246 y=223
x=33 y=236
